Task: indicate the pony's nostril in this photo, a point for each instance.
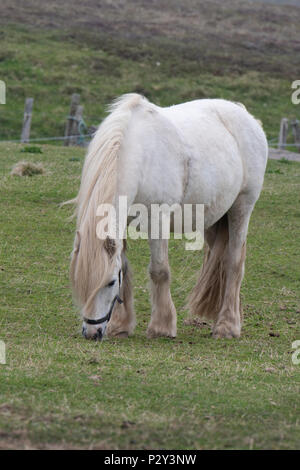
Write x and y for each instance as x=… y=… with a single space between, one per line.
x=84 y=331
x=98 y=336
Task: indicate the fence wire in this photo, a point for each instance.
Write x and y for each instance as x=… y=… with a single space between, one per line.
x=45 y=139
x=272 y=142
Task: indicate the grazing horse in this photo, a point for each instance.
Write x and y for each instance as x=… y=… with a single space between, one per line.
x=210 y=152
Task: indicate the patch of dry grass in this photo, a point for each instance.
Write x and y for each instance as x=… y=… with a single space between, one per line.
x=28 y=169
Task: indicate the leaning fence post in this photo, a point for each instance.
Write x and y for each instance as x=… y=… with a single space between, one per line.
x=25 y=135
x=296 y=133
x=76 y=126
x=71 y=118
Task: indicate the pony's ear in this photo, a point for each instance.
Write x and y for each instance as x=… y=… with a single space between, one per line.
x=110 y=246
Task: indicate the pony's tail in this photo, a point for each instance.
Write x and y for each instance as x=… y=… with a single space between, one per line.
x=91 y=263
x=207 y=295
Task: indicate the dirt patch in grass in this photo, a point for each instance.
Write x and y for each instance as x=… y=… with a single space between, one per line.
x=277 y=154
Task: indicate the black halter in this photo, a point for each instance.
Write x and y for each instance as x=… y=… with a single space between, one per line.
x=107 y=317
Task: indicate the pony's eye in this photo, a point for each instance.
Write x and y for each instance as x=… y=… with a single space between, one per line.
x=111 y=283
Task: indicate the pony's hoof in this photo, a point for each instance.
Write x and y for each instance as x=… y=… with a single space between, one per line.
x=226 y=330
x=156 y=333
x=116 y=332
x=122 y=334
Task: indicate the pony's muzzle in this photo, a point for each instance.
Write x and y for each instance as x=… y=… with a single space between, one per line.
x=95 y=334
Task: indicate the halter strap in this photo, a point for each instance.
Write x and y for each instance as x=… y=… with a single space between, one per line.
x=107 y=317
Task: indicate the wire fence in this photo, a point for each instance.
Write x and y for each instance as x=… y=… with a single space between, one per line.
x=276 y=145
x=46 y=139
x=77 y=133
x=81 y=138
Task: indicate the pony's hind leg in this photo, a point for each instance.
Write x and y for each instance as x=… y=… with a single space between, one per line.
x=122 y=322
x=206 y=297
x=163 y=318
x=216 y=295
x=228 y=322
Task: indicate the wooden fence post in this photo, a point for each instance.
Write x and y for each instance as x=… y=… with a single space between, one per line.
x=296 y=133
x=71 y=119
x=27 y=120
x=284 y=126
x=2 y=92
x=76 y=121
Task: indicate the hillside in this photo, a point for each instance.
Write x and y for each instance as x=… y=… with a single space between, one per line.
x=168 y=50
x=237 y=34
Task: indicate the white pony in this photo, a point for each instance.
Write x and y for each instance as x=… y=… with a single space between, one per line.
x=210 y=152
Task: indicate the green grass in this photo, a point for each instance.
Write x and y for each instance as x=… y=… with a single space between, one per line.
x=60 y=390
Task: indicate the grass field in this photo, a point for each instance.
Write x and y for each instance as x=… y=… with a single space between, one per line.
x=193 y=392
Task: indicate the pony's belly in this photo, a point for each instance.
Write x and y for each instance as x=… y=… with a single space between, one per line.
x=217 y=197
x=217 y=193
x=214 y=209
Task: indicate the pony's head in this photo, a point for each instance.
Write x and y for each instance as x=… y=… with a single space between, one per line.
x=97 y=294
x=94 y=325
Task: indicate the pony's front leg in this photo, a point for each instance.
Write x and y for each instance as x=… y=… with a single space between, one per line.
x=163 y=318
x=122 y=322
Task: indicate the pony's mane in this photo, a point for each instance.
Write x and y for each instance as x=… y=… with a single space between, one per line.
x=91 y=263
